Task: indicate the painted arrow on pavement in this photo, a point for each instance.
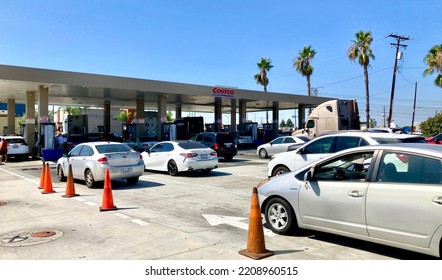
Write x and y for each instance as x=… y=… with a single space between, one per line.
x=215 y=220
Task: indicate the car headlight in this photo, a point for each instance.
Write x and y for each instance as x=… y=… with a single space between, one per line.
x=262 y=182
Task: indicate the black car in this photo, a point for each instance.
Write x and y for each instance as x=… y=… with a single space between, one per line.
x=222 y=142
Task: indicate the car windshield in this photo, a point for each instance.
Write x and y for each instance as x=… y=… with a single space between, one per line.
x=15 y=141
x=412 y=140
x=192 y=145
x=112 y=148
x=304 y=138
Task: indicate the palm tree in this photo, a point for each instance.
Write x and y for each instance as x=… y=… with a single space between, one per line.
x=302 y=64
x=261 y=78
x=361 y=51
x=434 y=62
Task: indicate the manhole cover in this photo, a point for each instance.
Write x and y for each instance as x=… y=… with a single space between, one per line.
x=28 y=238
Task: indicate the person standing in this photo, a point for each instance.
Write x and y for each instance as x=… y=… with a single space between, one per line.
x=60 y=141
x=4 y=150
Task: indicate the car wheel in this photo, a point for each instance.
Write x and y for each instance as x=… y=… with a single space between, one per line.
x=280 y=170
x=60 y=174
x=89 y=179
x=132 y=180
x=280 y=217
x=263 y=153
x=172 y=168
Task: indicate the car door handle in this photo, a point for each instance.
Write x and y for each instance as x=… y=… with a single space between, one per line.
x=437 y=200
x=355 y=194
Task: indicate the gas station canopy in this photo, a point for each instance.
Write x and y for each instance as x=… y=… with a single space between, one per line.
x=92 y=90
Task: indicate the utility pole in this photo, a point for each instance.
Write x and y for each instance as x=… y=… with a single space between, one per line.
x=397 y=45
x=414 y=107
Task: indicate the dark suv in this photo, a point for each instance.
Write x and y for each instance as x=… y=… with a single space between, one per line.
x=222 y=142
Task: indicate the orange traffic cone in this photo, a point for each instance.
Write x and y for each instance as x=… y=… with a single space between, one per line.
x=43 y=176
x=108 y=201
x=47 y=188
x=70 y=188
x=255 y=243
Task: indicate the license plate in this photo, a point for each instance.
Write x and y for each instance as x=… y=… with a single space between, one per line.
x=15 y=146
x=126 y=170
x=203 y=156
x=228 y=145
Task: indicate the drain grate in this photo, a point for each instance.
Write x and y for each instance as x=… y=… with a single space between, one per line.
x=29 y=238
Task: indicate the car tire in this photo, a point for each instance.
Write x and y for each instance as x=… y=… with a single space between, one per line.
x=60 y=174
x=280 y=170
x=132 y=180
x=172 y=168
x=263 y=153
x=89 y=179
x=280 y=217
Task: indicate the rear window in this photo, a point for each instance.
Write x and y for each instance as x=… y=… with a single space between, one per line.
x=15 y=141
x=112 y=148
x=225 y=138
x=385 y=140
x=192 y=145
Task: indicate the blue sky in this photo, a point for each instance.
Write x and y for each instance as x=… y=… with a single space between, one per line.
x=220 y=43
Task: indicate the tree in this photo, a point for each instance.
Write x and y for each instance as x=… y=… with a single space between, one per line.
x=169 y=116
x=434 y=62
x=282 y=124
x=261 y=78
x=73 y=110
x=289 y=123
x=432 y=126
x=123 y=116
x=303 y=66
x=361 y=51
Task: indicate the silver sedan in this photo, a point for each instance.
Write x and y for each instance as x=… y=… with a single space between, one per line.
x=388 y=194
x=279 y=145
x=90 y=160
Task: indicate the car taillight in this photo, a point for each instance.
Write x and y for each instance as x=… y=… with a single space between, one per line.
x=214 y=154
x=102 y=160
x=216 y=146
x=189 y=155
x=141 y=157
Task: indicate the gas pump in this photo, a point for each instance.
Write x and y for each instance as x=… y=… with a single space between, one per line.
x=46 y=142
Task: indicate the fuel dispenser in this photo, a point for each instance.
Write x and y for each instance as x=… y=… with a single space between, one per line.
x=46 y=142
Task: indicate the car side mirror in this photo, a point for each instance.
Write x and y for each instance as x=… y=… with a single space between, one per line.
x=300 y=151
x=309 y=175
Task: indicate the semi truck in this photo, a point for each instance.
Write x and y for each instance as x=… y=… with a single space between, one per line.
x=331 y=115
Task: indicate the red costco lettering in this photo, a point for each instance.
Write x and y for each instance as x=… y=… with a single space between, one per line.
x=223 y=91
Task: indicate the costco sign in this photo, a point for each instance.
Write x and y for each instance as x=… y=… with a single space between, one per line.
x=223 y=92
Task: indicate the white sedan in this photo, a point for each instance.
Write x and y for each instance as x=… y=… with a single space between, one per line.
x=279 y=145
x=91 y=159
x=179 y=156
x=387 y=194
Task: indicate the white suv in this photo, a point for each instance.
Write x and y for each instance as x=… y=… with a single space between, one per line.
x=332 y=143
x=17 y=147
